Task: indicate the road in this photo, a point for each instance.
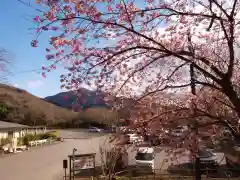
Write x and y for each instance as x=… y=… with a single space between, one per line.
x=45 y=163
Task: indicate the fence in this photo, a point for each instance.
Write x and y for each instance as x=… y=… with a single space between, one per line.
x=39 y=142
x=136 y=173
x=188 y=171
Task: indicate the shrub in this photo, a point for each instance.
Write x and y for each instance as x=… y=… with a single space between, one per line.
x=31 y=137
x=21 y=141
x=4 y=110
x=51 y=134
x=34 y=137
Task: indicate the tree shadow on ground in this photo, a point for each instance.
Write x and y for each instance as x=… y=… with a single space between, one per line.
x=88 y=172
x=224 y=172
x=187 y=169
x=135 y=171
x=130 y=171
x=184 y=169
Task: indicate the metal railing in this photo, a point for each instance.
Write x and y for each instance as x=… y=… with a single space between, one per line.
x=179 y=174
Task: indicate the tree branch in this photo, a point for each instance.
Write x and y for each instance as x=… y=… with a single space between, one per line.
x=224 y=103
x=164 y=88
x=130 y=22
x=219 y=120
x=221 y=8
x=233 y=8
x=208 y=84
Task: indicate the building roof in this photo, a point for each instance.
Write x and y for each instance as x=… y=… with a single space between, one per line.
x=7 y=125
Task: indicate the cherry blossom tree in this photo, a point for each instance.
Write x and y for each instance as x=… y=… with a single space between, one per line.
x=139 y=48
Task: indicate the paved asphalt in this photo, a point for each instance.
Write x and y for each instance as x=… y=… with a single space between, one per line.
x=45 y=163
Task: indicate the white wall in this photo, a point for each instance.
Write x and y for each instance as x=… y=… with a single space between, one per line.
x=3 y=135
x=16 y=134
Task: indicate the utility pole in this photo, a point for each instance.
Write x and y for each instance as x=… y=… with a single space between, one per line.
x=193 y=86
x=193 y=91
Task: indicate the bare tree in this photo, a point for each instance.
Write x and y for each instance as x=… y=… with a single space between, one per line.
x=112 y=160
x=4 y=65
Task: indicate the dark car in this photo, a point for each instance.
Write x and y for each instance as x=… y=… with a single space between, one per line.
x=208 y=160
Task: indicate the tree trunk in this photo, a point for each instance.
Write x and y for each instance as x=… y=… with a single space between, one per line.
x=232 y=95
x=229 y=91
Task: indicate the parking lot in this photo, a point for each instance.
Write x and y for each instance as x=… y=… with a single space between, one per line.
x=46 y=162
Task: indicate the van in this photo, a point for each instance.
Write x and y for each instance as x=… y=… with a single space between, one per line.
x=145 y=158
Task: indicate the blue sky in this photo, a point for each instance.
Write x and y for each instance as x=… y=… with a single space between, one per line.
x=15 y=38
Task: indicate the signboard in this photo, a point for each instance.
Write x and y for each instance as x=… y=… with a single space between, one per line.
x=83 y=163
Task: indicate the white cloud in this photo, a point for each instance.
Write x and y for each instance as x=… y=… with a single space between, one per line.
x=34 y=84
x=16 y=85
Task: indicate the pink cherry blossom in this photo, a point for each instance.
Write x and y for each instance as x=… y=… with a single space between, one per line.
x=142 y=50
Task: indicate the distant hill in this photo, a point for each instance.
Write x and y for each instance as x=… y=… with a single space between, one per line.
x=85 y=99
x=19 y=106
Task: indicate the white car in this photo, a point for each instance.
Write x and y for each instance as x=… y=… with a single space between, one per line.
x=177 y=132
x=95 y=129
x=145 y=158
x=134 y=138
x=180 y=131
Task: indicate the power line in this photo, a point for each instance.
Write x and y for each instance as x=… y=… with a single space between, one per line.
x=20 y=72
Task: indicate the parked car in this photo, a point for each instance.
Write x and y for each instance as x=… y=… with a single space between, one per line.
x=232 y=156
x=145 y=158
x=135 y=138
x=95 y=129
x=60 y=139
x=208 y=160
x=179 y=131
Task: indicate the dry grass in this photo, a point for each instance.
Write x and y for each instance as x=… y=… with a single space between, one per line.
x=100 y=115
x=26 y=108
x=29 y=109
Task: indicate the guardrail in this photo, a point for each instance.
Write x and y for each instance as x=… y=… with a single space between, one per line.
x=40 y=142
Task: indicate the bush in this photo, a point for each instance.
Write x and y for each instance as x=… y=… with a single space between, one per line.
x=30 y=137
x=34 y=137
x=4 y=110
x=21 y=141
x=52 y=135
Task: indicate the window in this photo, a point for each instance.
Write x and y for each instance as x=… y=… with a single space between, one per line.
x=205 y=153
x=144 y=156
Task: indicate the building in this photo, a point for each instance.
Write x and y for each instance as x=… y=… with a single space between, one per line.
x=10 y=132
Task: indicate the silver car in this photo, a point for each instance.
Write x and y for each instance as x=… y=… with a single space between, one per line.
x=94 y=129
